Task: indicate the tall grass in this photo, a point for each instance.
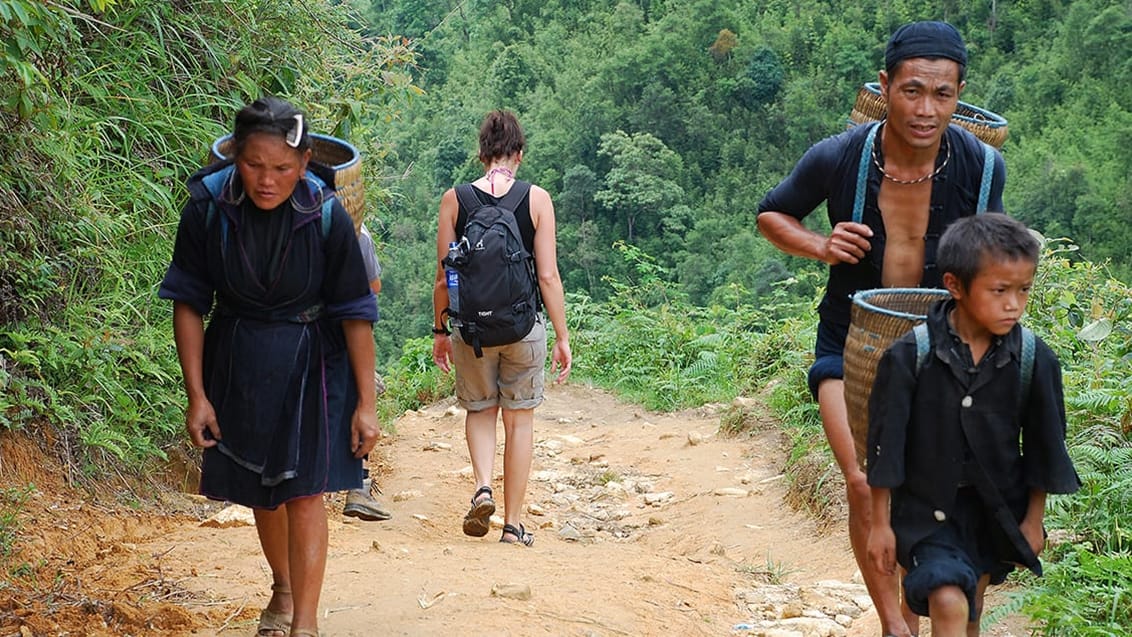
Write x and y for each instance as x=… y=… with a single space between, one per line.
x=111 y=106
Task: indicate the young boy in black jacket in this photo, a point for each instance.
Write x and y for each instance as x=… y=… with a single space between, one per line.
x=967 y=432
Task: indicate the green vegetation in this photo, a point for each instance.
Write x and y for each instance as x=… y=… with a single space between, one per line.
x=771 y=572
x=12 y=500
x=110 y=106
x=662 y=124
x=656 y=126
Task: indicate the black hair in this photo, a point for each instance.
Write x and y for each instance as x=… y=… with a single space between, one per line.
x=500 y=136
x=274 y=116
x=967 y=243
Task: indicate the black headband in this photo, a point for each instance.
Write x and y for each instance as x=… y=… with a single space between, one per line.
x=925 y=40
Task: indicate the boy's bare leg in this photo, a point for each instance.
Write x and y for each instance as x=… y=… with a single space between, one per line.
x=883 y=589
x=947 y=606
x=973 y=627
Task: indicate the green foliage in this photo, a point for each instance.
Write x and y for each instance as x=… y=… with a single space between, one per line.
x=12 y=501
x=766 y=74
x=413 y=381
x=1084 y=593
x=649 y=343
x=642 y=179
x=106 y=117
x=97 y=386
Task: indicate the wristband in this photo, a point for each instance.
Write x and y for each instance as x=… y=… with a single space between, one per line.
x=445 y=331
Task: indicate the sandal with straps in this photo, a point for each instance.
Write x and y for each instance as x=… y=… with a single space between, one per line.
x=477 y=521
x=273 y=622
x=303 y=632
x=522 y=536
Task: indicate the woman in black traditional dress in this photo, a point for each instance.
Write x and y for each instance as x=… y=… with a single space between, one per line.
x=288 y=352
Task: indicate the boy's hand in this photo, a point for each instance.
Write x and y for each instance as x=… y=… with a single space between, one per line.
x=882 y=549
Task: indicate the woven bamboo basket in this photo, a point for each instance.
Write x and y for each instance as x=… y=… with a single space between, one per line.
x=987 y=126
x=877 y=318
x=339 y=156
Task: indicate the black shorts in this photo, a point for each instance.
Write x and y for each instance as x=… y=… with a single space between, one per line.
x=829 y=354
x=959 y=553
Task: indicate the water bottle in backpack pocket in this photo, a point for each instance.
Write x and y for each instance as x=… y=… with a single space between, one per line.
x=452 y=280
x=498 y=296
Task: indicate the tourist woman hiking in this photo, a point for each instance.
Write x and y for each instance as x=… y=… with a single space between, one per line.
x=287 y=352
x=507 y=376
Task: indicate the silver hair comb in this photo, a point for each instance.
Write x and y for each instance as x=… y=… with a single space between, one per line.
x=295 y=135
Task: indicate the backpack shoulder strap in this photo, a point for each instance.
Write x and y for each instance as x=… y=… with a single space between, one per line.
x=465 y=194
x=988 y=177
x=514 y=197
x=1027 y=362
x=863 y=173
x=923 y=345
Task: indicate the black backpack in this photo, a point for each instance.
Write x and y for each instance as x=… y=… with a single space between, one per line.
x=499 y=294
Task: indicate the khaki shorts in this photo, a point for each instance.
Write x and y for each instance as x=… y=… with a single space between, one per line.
x=510 y=376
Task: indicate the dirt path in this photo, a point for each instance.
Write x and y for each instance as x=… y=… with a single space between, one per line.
x=646 y=524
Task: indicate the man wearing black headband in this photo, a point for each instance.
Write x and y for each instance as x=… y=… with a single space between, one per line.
x=916 y=174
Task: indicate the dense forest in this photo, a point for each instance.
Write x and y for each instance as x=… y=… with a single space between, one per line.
x=663 y=124
x=655 y=125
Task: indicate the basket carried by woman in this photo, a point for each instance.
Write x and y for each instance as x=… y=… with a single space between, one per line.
x=339 y=157
x=877 y=318
x=987 y=126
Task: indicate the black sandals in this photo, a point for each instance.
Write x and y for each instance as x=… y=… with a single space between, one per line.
x=521 y=535
x=477 y=521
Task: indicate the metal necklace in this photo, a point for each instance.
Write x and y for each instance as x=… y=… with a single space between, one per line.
x=911 y=182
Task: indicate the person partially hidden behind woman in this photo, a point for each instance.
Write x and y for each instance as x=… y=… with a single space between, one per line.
x=507 y=376
x=288 y=347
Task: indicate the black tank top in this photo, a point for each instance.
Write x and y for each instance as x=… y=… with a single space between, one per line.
x=522 y=217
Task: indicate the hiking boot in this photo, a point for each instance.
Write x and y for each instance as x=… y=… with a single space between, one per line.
x=361 y=504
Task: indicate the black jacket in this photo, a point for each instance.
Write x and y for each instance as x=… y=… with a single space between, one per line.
x=924 y=426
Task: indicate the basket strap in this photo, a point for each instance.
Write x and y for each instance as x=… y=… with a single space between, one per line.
x=1027 y=363
x=988 y=177
x=923 y=345
x=863 y=173
x=924 y=348
x=317 y=187
x=215 y=185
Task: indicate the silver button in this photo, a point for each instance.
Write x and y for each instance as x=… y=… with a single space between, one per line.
x=967 y=401
x=940 y=516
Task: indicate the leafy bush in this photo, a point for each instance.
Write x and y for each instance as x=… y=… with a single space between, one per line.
x=106 y=115
x=413 y=381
